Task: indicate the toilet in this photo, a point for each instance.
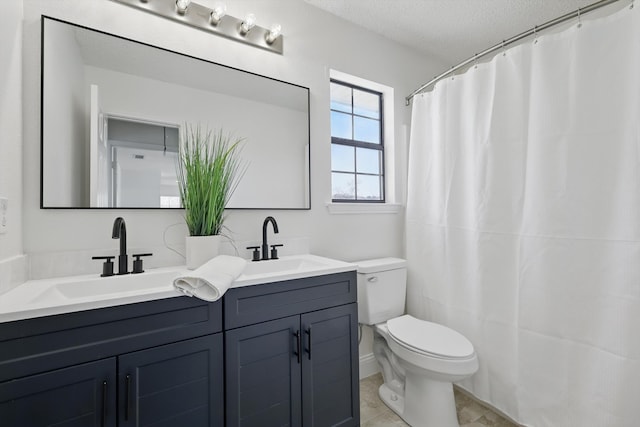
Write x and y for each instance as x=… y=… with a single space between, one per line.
x=419 y=360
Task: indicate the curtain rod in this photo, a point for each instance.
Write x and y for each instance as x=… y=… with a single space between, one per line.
x=575 y=14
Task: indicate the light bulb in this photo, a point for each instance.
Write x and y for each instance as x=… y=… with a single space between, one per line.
x=218 y=13
x=182 y=6
x=273 y=33
x=247 y=24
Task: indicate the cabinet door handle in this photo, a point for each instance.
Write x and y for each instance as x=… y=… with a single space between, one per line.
x=308 y=332
x=104 y=403
x=298 y=345
x=127 y=397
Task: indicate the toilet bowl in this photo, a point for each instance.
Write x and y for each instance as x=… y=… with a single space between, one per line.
x=419 y=360
x=418 y=380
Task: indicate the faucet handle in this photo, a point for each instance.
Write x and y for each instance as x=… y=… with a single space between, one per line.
x=274 y=251
x=256 y=253
x=137 y=263
x=107 y=266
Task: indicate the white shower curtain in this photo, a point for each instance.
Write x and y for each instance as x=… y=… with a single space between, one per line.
x=523 y=223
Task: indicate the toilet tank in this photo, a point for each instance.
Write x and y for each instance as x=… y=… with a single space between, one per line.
x=382 y=285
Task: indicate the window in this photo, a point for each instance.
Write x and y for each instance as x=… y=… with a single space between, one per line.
x=357 y=144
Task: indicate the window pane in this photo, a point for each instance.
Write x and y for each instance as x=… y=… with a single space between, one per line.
x=357 y=167
x=369 y=187
x=340 y=98
x=366 y=130
x=366 y=104
x=342 y=158
x=368 y=160
x=343 y=186
x=341 y=125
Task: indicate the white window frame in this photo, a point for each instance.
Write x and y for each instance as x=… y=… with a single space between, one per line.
x=390 y=205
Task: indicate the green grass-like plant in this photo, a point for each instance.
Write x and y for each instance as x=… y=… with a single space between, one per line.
x=209 y=170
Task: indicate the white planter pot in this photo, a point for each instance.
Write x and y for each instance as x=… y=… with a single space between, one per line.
x=200 y=249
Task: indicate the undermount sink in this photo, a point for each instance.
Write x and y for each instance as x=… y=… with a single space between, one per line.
x=115 y=284
x=97 y=287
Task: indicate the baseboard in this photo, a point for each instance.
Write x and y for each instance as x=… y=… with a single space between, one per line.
x=368 y=365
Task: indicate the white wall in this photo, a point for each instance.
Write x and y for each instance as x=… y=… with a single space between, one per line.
x=58 y=241
x=311 y=38
x=12 y=263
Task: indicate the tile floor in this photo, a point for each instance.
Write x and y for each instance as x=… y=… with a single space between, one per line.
x=374 y=413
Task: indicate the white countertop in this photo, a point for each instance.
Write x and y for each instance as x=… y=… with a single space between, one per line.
x=45 y=297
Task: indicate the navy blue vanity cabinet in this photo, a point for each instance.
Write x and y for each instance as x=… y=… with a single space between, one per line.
x=154 y=363
x=291 y=352
x=330 y=367
x=178 y=384
x=81 y=395
x=263 y=375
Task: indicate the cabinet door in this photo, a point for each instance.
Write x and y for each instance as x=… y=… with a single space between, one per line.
x=330 y=392
x=179 y=384
x=79 y=396
x=263 y=374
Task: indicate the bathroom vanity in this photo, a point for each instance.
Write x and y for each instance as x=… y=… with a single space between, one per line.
x=129 y=365
x=291 y=351
x=283 y=352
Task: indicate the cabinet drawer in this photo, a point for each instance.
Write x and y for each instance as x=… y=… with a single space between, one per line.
x=259 y=303
x=42 y=344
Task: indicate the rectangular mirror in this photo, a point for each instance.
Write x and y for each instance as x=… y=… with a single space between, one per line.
x=113 y=110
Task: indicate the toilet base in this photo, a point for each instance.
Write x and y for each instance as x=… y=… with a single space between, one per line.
x=436 y=406
x=393 y=400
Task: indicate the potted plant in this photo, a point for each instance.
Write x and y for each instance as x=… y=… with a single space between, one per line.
x=209 y=170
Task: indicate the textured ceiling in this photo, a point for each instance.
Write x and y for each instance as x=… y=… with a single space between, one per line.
x=449 y=30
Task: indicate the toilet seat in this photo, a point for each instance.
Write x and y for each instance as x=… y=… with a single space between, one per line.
x=429 y=339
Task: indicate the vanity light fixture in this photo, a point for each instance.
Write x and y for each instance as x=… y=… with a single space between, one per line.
x=214 y=21
x=182 y=5
x=273 y=33
x=218 y=12
x=248 y=23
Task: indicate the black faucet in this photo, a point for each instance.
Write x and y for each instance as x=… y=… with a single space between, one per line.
x=120 y=232
x=265 y=246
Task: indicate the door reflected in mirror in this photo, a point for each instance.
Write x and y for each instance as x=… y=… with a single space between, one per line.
x=112 y=110
x=135 y=164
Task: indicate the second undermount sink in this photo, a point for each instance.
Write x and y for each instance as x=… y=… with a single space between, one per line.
x=289 y=267
x=279 y=265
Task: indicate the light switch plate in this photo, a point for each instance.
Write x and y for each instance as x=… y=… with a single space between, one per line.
x=4 y=207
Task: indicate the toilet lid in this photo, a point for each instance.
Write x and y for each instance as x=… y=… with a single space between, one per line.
x=430 y=338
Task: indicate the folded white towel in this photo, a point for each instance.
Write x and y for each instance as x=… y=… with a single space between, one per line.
x=211 y=280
